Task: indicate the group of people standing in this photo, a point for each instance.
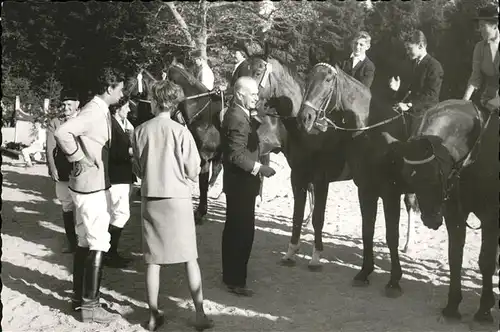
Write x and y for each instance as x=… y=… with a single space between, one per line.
x=94 y=155
x=423 y=86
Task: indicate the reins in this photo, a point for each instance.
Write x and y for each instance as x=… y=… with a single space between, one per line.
x=324 y=108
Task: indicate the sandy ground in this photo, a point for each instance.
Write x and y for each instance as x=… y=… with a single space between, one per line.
x=37 y=277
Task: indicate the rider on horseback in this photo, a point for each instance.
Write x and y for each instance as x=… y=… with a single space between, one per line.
x=485 y=61
x=424 y=84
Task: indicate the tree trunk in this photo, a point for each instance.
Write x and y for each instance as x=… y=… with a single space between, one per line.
x=203 y=36
x=182 y=23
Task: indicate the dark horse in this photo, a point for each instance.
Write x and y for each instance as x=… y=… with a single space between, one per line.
x=281 y=89
x=452 y=164
x=201 y=115
x=315 y=160
x=140 y=106
x=335 y=99
x=201 y=112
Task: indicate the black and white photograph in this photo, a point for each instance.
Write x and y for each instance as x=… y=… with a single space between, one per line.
x=271 y=166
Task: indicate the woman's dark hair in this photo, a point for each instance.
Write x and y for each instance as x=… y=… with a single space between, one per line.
x=414 y=37
x=115 y=107
x=109 y=77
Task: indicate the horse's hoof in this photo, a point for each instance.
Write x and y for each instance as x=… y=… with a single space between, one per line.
x=393 y=291
x=451 y=314
x=285 y=261
x=360 y=282
x=483 y=317
x=315 y=267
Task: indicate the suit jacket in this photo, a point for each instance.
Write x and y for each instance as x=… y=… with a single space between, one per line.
x=240 y=151
x=165 y=157
x=120 y=161
x=364 y=71
x=424 y=83
x=88 y=135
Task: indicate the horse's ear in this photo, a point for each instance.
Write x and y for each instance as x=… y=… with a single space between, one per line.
x=312 y=57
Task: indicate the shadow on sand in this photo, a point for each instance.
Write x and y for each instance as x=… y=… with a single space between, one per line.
x=286 y=299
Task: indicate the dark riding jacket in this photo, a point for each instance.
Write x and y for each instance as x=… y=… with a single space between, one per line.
x=364 y=71
x=423 y=84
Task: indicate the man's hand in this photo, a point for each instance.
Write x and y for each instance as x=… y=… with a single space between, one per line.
x=404 y=106
x=266 y=171
x=395 y=83
x=53 y=174
x=81 y=166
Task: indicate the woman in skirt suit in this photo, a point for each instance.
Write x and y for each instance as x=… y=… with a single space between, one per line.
x=166 y=158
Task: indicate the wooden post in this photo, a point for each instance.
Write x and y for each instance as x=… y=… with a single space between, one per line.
x=16 y=107
x=46 y=102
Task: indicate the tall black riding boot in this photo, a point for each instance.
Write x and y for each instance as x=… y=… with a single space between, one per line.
x=69 y=227
x=113 y=258
x=92 y=310
x=78 y=269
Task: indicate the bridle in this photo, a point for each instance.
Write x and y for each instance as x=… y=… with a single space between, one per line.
x=325 y=102
x=450 y=182
x=324 y=109
x=178 y=112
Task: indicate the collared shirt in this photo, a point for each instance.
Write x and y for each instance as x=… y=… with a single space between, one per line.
x=247 y=112
x=357 y=59
x=125 y=124
x=418 y=60
x=236 y=65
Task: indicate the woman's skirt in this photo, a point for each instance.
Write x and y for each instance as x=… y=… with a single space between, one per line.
x=168 y=230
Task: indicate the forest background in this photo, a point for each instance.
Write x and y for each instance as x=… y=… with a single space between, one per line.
x=47 y=45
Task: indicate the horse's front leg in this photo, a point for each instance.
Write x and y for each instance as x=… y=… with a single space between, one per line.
x=368 y=204
x=411 y=204
x=455 y=225
x=318 y=221
x=202 y=209
x=487 y=264
x=299 y=189
x=216 y=169
x=392 y=206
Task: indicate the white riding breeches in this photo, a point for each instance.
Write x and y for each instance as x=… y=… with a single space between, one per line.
x=92 y=219
x=120 y=204
x=63 y=194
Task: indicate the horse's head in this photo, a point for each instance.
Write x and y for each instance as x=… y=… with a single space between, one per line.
x=138 y=90
x=332 y=93
x=280 y=96
x=427 y=166
x=193 y=107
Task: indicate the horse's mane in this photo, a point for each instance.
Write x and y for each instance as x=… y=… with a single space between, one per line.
x=288 y=72
x=190 y=77
x=359 y=89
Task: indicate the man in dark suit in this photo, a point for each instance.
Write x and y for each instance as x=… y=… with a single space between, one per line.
x=121 y=177
x=241 y=184
x=358 y=65
x=423 y=86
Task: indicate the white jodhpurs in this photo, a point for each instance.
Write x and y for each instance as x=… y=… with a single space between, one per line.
x=120 y=204
x=63 y=194
x=92 y=219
